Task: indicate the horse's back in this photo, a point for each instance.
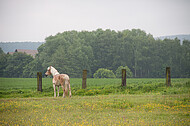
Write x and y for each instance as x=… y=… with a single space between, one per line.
x=61 y=77
x=65 y=76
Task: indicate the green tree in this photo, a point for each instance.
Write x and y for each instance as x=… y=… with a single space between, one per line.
x=31 y=69
x=185 y=59
x=104 y=48
x=16 y=64
x=118 y=72
x=3 y=62
x=71 y=52
x=104 y=73
x=1 y=51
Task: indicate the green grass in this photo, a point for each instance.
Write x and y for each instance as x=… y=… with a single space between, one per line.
x=97 y=110
x=27 y=87
x=104 y=102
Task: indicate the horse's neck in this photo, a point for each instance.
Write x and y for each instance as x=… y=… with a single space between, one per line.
x=54 y=71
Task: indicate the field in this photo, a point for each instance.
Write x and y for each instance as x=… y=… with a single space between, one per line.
x=104 y=102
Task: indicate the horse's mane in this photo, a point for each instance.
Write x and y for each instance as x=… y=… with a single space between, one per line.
x=53 y=71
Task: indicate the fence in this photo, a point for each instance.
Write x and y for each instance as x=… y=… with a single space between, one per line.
x=84 y=79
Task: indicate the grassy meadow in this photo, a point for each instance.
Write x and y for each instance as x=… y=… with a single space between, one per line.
x=104 y=102
x=26 y=87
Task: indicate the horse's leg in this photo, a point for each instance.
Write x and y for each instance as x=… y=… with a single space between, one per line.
x=54 y=90
x=63 y=91
x=57 y=91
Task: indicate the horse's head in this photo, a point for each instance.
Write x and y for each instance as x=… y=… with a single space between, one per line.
x=48 y=72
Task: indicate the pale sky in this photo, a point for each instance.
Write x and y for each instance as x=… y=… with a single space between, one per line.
x=34 y=20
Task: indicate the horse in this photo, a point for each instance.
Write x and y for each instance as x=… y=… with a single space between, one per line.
x=59 y=80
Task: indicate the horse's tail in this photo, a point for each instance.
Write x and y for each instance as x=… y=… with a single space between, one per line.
x=67 y=82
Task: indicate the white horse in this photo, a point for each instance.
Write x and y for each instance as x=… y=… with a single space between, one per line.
x=59 y=80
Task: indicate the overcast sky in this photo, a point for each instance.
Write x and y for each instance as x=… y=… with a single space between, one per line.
x=34 y=20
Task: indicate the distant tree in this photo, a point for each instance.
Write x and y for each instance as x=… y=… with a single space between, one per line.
x=16 y=64
x=1 y=51
x=3 y=62
x=71 y=51
x=104 y=46
x=104 y=73
x=118 y=73
x=30 y=70
x=185 y=59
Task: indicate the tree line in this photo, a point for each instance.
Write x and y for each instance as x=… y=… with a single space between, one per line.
x=70 y=52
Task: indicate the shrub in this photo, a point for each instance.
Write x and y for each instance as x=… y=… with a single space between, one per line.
x=104 y=73
x=118 y=73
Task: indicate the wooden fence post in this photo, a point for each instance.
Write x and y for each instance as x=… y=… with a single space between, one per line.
x=84 y=76
x=124 y=77
x=168 y=77
x=39 y=81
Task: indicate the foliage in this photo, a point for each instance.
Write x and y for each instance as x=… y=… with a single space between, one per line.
x=30 y=69
x=15 y=64
x=70 y=52
x=104 y=73
x=1 y=51
x=3 y=61
x=118 y=72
